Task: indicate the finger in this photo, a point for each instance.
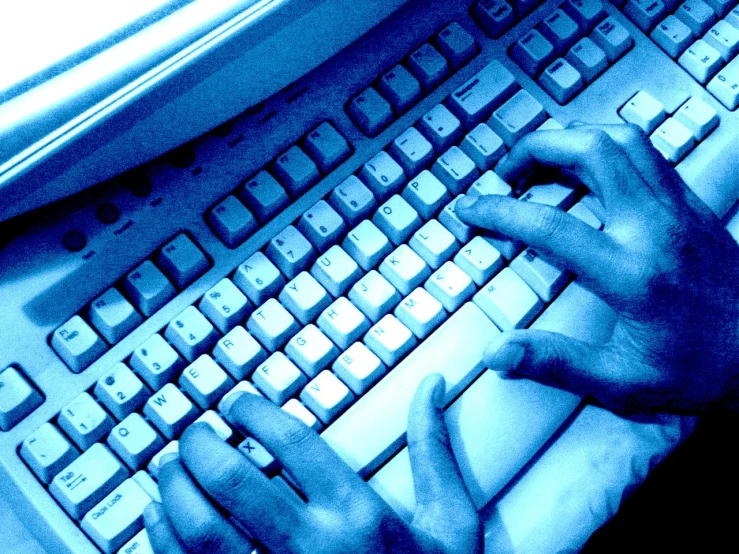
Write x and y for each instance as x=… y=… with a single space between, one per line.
x=161 y=534
x=568 y=241
x=444 y=507
x=554 y=359
x=195 y=520
x=318 y=470
x=590 y=154
x=265 y=509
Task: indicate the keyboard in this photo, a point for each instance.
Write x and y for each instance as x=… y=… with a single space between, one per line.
x=308 y=251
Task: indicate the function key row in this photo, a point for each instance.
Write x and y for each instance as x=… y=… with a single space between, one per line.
x=268 y=192
x=405 y=84
x=119 y=310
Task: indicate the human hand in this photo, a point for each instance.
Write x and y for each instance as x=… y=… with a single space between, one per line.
x=342 y=513
x=663 y=262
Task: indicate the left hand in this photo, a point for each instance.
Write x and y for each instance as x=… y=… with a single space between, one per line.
x=342 y=513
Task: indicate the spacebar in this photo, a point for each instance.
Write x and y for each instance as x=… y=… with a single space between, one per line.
x=372 y=430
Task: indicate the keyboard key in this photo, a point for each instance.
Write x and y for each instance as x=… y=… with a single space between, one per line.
x=84 y=421
x=383 y=176
x=232 y=222
x=327 y=147
x=451 y=286
x=322 y=226
x=397 y=219
x=441 y=128
x=508 y=301
x=239 y=353
x=304 y=297
x=721 y=7
x=336 y=271
x=524 y=7
x=291 y=252
x=544 y=279
x=494 y=16
x=725 y=85
x=139 y=544
x=77 y=344
x=191 y=334
x=701 y=61
x=420 y=312
x=121 y=391
x=613 y=38
x=490 y=183
x=390 y=340
x=374 y=295
x=311 y=350
x=264 y=196
x=17 y=398
x=258 y=278
x=456 y=44
x=426 y=194
x=455 y=170
x=148 y=288
x=296 y=409
x=135 y=441
x=673 y=36
x=429 y=67
x=205 y=382
x=258 y=455
x=448 y=218
x=483 y=147
x=697 y=15
x=113 y=316
x=480 y=260
x=588 y=59
x=353 y=200
x=225 y=306
x=359 y=368
x=47 y=452
x=554 y=195
x=296 y=171
x=520 y=115
x=645 y=111
x=367 y=245
x=533 y=52
x=434 y=243
x=370 y=112
x=117 y=517
x=581 y=212
x=400 y=88
x=645 y=13
x=170 y=411
x=241 y=386
x=182 y=261
x=343 y=323
x=413 y=152
x=478 y=97
x=380 y=416
x=586 y=13
x=733 y=17
x=156 y=361
x=561 y=81
x=272 y=325
x=87 y=480
x=405 y=269
x=326 y=396
x=560 y=29
x=278 y=378
x=220 y=427
x=725 y=39
x=674 y=139
x=172 y=447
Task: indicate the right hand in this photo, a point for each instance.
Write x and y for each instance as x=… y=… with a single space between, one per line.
x=663 y=262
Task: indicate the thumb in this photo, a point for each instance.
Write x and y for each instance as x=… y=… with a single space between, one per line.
x=555 y=359
x=444 y=507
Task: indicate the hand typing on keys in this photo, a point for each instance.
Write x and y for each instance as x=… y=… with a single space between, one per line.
x=341 y=513
x=663 y=262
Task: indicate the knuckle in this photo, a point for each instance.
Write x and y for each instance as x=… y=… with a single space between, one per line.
x=233 y=475
x=551 y=222
x=294 y=434
x=202 y=534
x=633 y=134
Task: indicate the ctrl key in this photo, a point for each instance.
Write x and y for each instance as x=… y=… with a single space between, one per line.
x=77 y=344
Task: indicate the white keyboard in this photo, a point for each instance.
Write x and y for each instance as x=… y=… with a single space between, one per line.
x=309 y=252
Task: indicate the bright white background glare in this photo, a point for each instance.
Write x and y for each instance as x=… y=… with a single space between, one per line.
x=35 y=34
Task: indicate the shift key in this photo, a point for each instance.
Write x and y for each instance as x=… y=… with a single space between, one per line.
x=478 y=97
x=372 y=430
x=87 y=480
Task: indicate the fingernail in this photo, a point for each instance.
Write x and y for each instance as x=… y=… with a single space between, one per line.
x=576 y=123
x=168 y=458
x=229 y=401
x=439 y=392
x=466 y=202
x=506 y=357
x=152 y=514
